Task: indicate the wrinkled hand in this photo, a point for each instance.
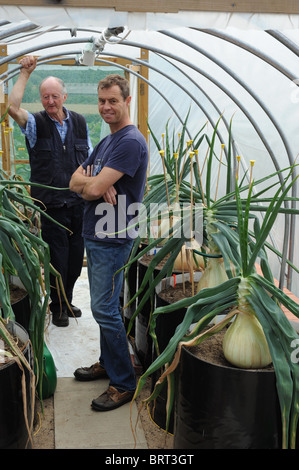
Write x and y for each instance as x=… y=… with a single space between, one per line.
x=28 y=63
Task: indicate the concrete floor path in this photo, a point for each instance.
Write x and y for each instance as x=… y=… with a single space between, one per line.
x=77 y=426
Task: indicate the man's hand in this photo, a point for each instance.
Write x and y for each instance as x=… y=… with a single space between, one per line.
x=88 y=171
x=15 y=98
x=110 y=195
x=28 y=64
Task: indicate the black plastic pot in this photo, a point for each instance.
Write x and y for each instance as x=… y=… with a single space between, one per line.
x=129 y=284
x=143 y=341
x=166 y=325
x=130 y=288
x=21 y=308
x=22 y=312
x=13 y=430
x=219 y=407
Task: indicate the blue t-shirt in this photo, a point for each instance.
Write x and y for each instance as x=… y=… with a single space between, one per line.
x=125 y=151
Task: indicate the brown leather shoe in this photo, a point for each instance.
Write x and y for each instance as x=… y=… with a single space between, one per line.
x=94 y=372
x=111 y=399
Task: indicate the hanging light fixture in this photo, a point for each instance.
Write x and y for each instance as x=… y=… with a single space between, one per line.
x=94 y=48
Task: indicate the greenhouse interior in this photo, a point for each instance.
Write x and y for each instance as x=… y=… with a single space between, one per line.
x=214 y=90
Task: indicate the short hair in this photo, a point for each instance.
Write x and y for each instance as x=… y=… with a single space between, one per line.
x=61 y=83
x=115 y=79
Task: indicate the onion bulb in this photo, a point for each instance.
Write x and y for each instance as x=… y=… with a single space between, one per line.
x=244 y=344
x=181 y=262
x=214 y=274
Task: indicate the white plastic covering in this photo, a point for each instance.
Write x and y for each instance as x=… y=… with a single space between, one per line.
x=72 y=17
x=240 y=65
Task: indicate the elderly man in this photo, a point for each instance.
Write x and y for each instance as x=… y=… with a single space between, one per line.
x=58 y=142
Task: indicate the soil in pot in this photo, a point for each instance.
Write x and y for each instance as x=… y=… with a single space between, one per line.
x=143 y=341
x=222 y=407
x=167 y=323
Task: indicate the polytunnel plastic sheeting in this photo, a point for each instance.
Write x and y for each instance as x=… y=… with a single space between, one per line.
x=284 y=145
x=73 y=17
x=252 y=79
x=246 y=140
x=261 y=78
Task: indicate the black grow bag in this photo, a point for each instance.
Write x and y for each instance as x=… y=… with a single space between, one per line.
x=165 y=328
x=130 y=288
x=166 y=325
x=13 y=430
x=219 y=407
x=143 y=340
x=22 y=311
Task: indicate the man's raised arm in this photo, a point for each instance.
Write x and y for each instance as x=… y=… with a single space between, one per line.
x=16 y=96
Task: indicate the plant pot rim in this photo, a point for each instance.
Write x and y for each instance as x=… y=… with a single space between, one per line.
x=178 y=279
x=23 y=336
x=15 y=282
x=223 y=366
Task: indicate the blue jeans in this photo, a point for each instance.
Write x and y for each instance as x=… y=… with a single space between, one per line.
x=103 y=260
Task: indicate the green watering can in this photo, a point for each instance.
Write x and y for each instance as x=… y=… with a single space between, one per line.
x=49 y=376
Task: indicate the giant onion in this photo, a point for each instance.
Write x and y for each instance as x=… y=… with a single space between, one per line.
x=244 y=343
x=183 y=261
x=213 y=275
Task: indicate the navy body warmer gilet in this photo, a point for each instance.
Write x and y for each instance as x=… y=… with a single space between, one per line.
x=52 y=162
